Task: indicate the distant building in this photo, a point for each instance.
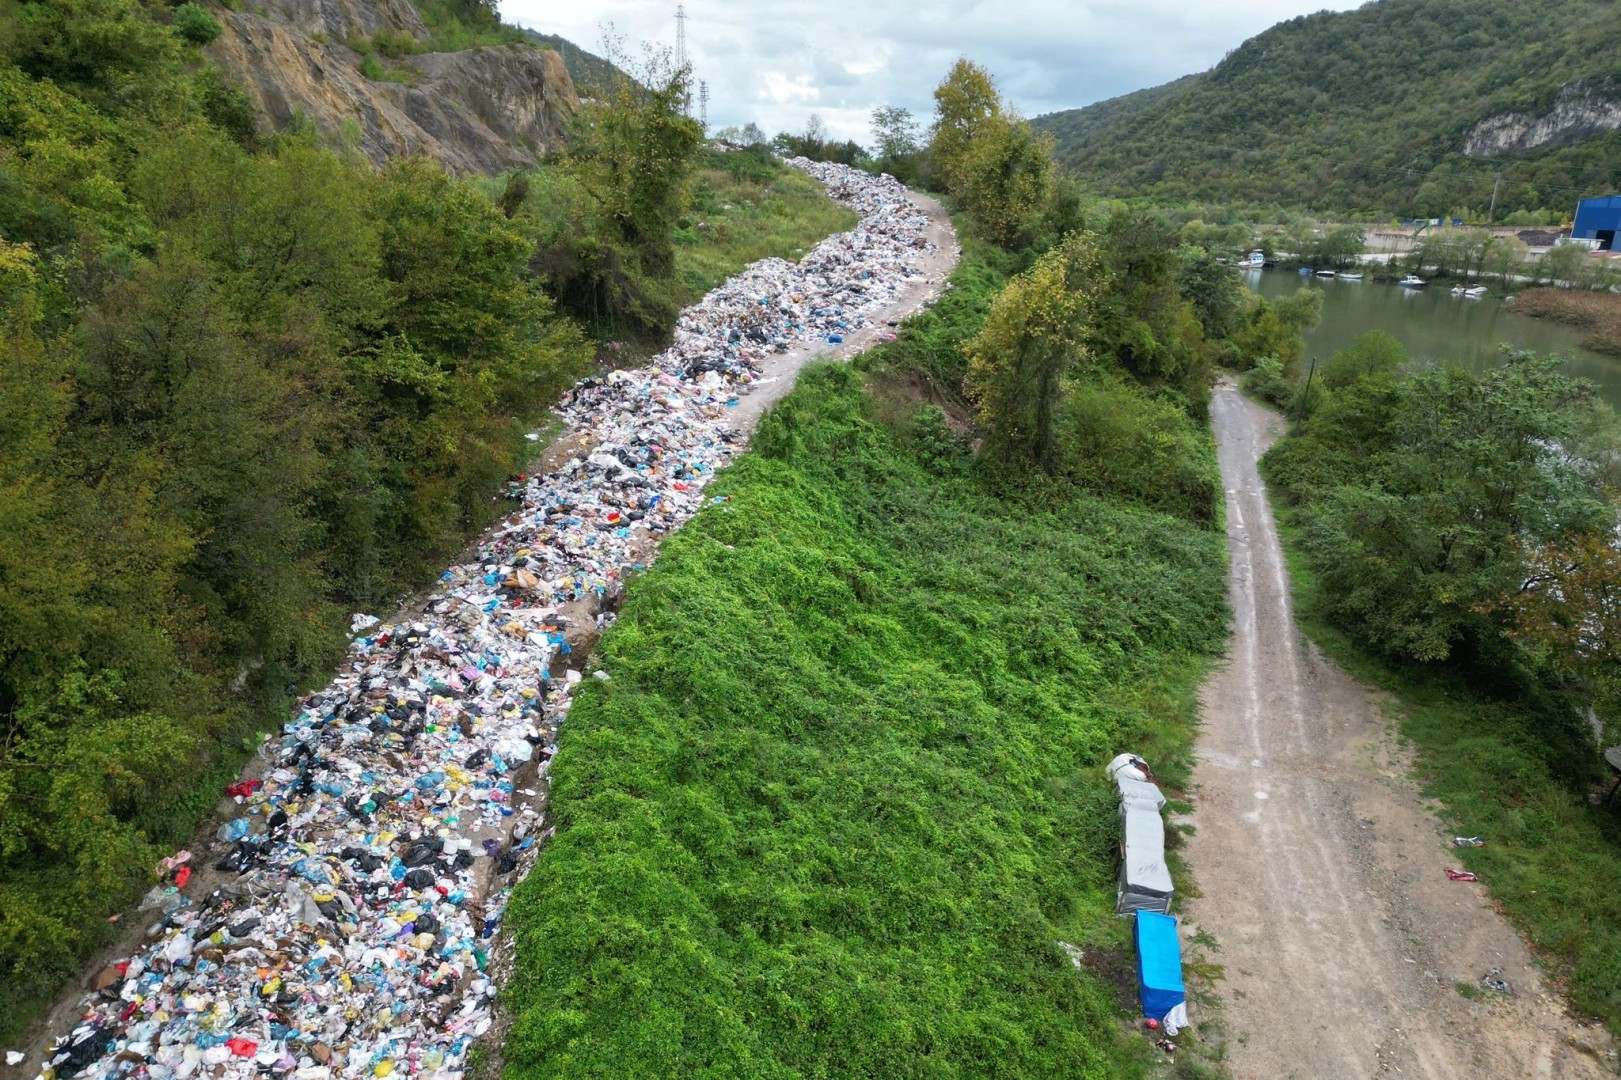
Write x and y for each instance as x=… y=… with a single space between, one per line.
x=1598 y=219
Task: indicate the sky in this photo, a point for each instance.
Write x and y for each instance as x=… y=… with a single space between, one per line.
x=776 y=62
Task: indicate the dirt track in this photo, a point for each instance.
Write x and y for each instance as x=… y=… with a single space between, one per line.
x=1323 y=867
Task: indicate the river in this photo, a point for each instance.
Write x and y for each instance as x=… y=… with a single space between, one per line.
x=1436 y=326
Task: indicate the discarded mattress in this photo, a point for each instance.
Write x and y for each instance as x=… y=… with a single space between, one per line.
x=1145 y=880
x=1159 y=965
x=1130 y=766
x=1139 y=793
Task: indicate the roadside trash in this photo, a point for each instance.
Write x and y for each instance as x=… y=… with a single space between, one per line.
x=1166 y=1045
x=169 y=865
x=1461 y=875
x=15 y=1057
x=1467 y=841
x=378 y=845
x=1153 y=1025
x=1493 y=980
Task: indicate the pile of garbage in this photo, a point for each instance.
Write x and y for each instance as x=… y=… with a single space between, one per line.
x=342 y=925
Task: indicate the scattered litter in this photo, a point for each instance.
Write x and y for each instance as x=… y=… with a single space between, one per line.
x=1461 y=875
x=1493 y=980
x=15 y=1057
x=1166 y=1045
x=1467 y=841
x=375 y=851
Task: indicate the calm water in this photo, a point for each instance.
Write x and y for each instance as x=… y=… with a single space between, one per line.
x=1435 y=326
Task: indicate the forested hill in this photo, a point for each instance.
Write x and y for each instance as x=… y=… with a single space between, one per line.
x=1401 y=107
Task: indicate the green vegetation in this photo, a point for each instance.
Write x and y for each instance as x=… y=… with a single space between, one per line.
x=843 y=795
x=248 y=385
x=1452 y=540
x=1366 y=110
x=455 y=25
x=744 y=207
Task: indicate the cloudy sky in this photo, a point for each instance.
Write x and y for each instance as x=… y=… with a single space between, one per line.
x=778 y=61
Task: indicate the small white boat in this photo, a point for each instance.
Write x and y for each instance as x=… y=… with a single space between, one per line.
x=1473 y=292
x=1357 y=276
x=1412 y=282
x=1325 y=273
x=1255 y=260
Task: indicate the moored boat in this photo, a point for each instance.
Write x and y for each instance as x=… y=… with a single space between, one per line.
x=1412 y=281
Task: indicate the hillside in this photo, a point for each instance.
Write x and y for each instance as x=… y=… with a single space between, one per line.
x=1401 y=107
x=590 y=72
x=379 y=74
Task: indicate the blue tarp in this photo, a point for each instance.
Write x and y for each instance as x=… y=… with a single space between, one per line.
x=1159 y=964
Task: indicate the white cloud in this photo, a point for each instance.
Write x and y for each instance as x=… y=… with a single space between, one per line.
x=777 y=61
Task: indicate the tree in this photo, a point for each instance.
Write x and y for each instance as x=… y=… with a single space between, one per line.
x=1504 y=257
x=1035 y=333
x=1006 y=177
x=1410 y=549
x=195 y=24
x=1567 y=609
x=896 y=144
x=1214 y=291
x=964 y=102
x=1373 y=354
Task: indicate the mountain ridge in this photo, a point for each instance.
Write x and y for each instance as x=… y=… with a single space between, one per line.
x=1371 y=110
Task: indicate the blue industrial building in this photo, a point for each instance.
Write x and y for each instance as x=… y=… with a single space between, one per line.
x=1598 y=219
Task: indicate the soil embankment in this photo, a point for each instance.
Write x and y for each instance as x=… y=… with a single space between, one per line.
x=1348 y=951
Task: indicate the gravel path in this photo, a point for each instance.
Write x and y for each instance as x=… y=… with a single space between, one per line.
x=1323 y=867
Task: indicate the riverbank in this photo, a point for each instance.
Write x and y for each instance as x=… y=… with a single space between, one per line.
x=1597 y=313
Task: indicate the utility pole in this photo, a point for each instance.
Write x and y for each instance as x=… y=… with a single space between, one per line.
x=703 y=105
x=1300 y=414
x=681 y=56
x=1491 y=215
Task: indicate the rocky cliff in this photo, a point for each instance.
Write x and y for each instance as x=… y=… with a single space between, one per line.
x=1580 y=110
x=483 y=110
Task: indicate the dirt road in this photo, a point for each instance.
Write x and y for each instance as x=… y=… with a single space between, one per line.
x=1322 y=866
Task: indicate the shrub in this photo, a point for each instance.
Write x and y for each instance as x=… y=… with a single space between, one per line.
x=196 y=25
x=1267 y=382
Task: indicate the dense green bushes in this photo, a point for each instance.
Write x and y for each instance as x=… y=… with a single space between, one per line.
x=248 y=385
x=1418 y=494
x=843 y=795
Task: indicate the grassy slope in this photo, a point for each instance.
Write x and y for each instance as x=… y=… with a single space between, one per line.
x=1551 y=859
x=844 y=792
x=735 y=221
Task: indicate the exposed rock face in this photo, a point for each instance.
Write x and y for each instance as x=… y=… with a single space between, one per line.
x=1579 y=111
x=340 y=20
x=483 y=110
